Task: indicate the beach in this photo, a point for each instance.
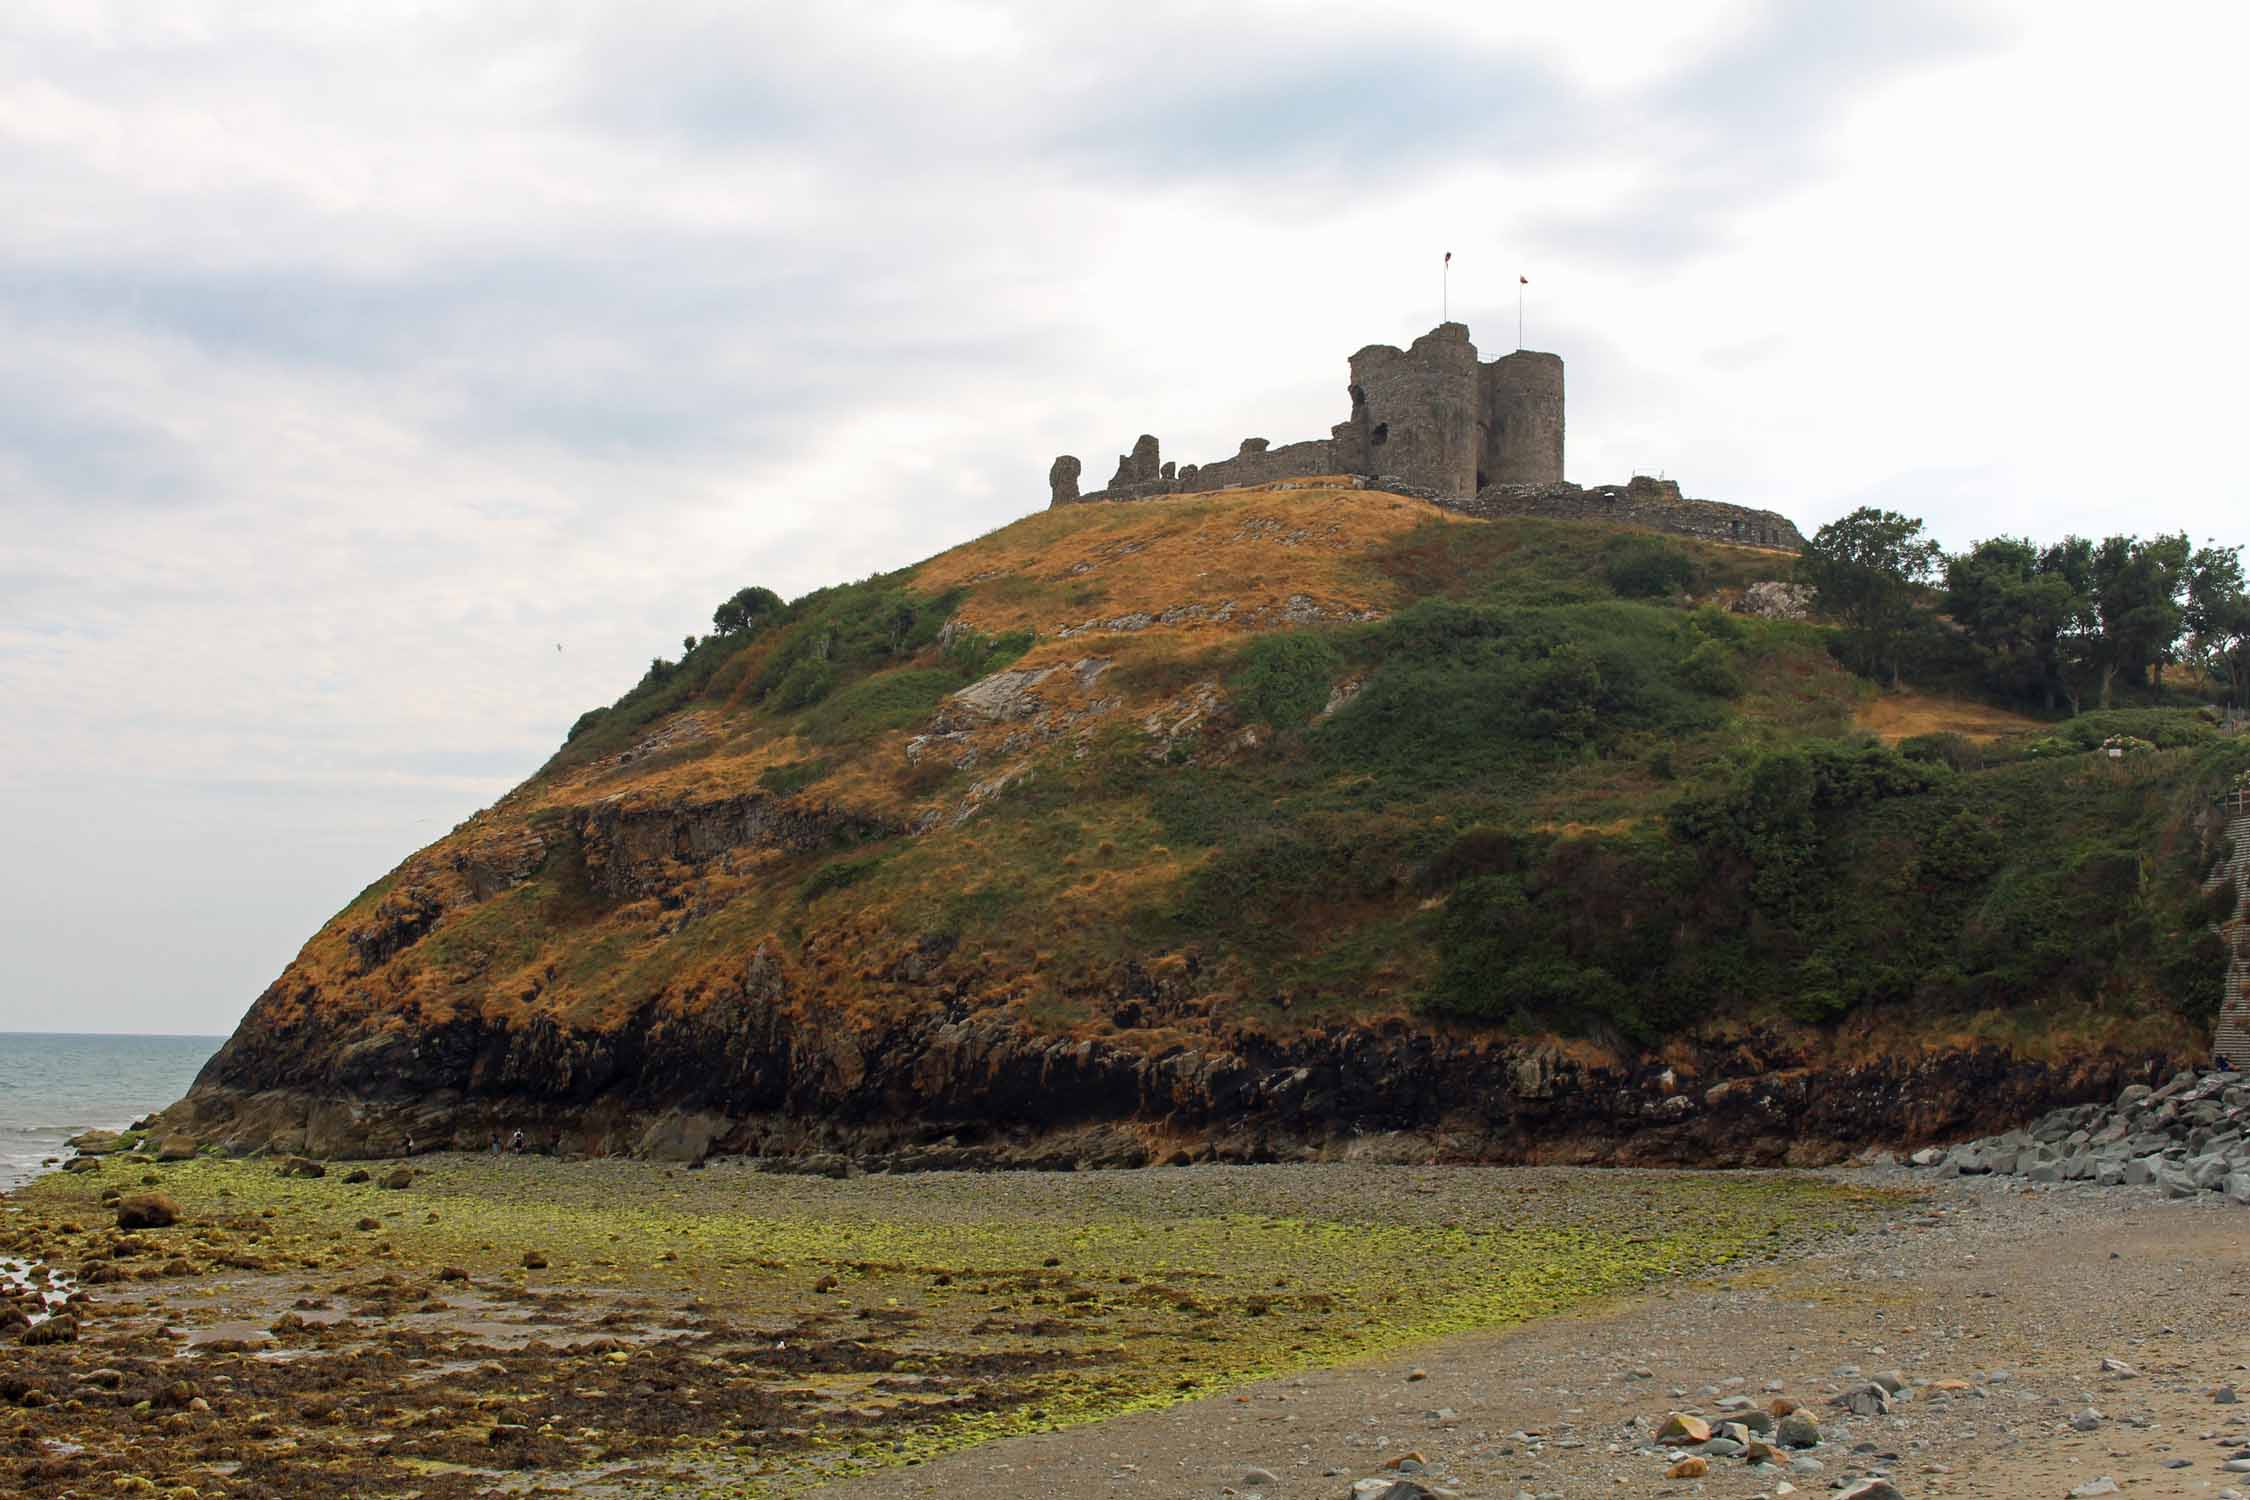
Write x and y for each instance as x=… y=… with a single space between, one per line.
x=520 y=1325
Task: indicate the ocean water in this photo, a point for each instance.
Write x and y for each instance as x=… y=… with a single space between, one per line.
x=53 y=1086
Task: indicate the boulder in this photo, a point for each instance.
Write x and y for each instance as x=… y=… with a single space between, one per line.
x=302 y=1166
x=397 y=1178
x=177 y=1148
x=147 y=1211
x=1798 y=1430
x=1682 y=1428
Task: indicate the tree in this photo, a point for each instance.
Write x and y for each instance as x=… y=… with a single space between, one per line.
x=1867 y=570
x=745 y=610
x=2137 y=588
x=2217 y=619
x=2022 y=607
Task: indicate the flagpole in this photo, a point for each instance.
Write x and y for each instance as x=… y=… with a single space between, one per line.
x=1445 y=291
x=1519 y=315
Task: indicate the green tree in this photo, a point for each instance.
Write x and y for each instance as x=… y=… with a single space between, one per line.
x=2217 y=619
x=1868 y=569
x=2138 y=588
x=745 y=610
x=2021 y=606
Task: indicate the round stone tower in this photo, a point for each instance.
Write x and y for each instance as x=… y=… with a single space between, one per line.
x=1520 y=397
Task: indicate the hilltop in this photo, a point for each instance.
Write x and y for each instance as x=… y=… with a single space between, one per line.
x=1301 y=820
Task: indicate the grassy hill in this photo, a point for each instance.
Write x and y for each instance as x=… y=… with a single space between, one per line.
x=1237 y=776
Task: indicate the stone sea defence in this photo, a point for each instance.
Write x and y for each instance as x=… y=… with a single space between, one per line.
x=2191 y=1135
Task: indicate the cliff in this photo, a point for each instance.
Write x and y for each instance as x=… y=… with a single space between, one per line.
x=1291 y=822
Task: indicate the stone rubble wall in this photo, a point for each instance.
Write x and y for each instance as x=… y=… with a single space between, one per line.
x=1653 y=503
x=2231 y=1039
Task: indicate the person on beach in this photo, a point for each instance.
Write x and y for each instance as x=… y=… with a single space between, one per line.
x=515 y=1144
x=410 y=1143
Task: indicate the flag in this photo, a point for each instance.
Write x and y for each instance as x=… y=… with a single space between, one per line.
x=1449 y=257
x=1523 y=281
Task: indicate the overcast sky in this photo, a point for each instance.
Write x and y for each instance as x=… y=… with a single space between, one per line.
x=354 y=356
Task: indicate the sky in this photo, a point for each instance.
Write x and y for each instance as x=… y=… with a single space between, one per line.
x=354 y=358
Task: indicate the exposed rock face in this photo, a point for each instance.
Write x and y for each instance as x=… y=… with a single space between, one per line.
x=1771 y=599
x=1062 y=480
x=629 y=852
x=941 y=1084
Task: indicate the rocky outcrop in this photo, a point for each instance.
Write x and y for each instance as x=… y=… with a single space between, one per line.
x=1771 y=599
x=766 y=1071
x=632 y=851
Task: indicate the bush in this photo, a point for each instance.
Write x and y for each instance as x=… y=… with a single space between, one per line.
x=788 y=780
x=806 y=682
x=872 y=705
x=837 y=874
x=1713 y=668
x=1285 y=679
x=1641 y=567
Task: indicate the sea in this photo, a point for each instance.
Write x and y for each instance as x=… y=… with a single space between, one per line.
x=54 y=1085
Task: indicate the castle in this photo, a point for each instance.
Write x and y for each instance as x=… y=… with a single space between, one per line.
x=1433 y=421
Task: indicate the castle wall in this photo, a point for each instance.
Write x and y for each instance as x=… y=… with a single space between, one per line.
x=1257 y=463
x=1654 y=503
x=1520 y=398
x=2231 y=1035
x=1416 y=411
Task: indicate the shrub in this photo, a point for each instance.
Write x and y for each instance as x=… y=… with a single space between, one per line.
x=792 y=778
x=1713 y=668
x=1642 y=567
x=838 y=874
x=887 y=700
x=1285 y=679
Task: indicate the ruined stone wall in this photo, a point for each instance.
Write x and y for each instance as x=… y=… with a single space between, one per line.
x=1417 y=410
x=2232 y=1038
x=1257 y=463
x=1653 y=503
x=1520 y=397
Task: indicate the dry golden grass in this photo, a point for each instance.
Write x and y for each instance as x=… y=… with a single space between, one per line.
x=1255 y=549
x=1892 y=717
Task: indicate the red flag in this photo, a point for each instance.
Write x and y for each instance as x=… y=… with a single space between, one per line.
x=1524 y=280
x=1449 y=257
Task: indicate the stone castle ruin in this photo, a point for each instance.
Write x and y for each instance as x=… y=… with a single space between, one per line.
x=1433 y=421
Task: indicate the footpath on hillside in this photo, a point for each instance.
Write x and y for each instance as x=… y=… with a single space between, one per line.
x=2043 y=1339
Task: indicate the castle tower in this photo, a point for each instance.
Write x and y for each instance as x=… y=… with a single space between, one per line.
x=1520 y=400
x=1415 y=413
